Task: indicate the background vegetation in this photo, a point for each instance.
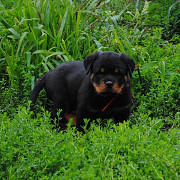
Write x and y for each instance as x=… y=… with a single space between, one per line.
x=36 y=36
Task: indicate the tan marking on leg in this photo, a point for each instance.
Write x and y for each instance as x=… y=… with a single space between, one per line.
x=92 y=75
x=71 y=116
x=125 y=78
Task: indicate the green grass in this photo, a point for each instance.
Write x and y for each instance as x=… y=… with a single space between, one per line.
x=29 y=149
x=36 y=36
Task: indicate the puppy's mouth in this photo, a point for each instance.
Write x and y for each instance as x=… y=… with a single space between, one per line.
x=108 y=88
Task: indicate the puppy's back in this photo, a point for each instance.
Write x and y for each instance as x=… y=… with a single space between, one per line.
x=65 y=78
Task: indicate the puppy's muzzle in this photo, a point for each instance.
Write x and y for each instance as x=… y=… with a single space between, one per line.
x=109 y=84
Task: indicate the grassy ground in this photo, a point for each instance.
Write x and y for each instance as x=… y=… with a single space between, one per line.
x=31 y=150
x=36 y=36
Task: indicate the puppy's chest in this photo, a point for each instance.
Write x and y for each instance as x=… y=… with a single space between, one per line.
x=104 y=107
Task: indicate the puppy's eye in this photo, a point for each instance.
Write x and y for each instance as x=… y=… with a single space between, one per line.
x=101 y=71
x=116 y=71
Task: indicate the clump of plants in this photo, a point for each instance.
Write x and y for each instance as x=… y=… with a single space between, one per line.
x=36 y=36
x=31 y=149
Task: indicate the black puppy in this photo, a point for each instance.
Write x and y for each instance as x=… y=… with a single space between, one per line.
x=98 y=87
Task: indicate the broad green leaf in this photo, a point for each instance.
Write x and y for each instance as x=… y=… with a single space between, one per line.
x=15 y=33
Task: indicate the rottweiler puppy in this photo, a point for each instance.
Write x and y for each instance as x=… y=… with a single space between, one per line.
x=98 y=87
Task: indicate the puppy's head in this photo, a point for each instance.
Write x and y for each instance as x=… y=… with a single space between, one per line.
x=109 y=71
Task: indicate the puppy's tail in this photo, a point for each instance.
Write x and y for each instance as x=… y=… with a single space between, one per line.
x=39 y=85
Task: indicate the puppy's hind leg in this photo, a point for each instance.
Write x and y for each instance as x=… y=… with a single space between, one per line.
x=59 y=104
x=79 y=119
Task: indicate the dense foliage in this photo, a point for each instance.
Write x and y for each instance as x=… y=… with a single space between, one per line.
x=36 y=36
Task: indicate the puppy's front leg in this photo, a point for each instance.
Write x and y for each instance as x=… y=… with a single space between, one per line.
x=80 y=124
x=79 y=119
x=122 y=115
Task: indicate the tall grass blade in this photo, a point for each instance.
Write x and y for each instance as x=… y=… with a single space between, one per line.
x=34 y=36
x=28 y=54
x=59 y=54
x=47 y=13
x=169 y=10
x=62 y=28
x=137 y=4
x=121 y=48
x=32 y=82
x=50 y=65
x=42 y=52
x=77 y=23
x=45 y=67
x=130 y=48
x=20 y=41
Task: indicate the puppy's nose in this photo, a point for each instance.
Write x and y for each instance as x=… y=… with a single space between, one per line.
x=109 y=84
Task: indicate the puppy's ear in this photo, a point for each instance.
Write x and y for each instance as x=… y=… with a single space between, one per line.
x=129 y=63
x=89 y=60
